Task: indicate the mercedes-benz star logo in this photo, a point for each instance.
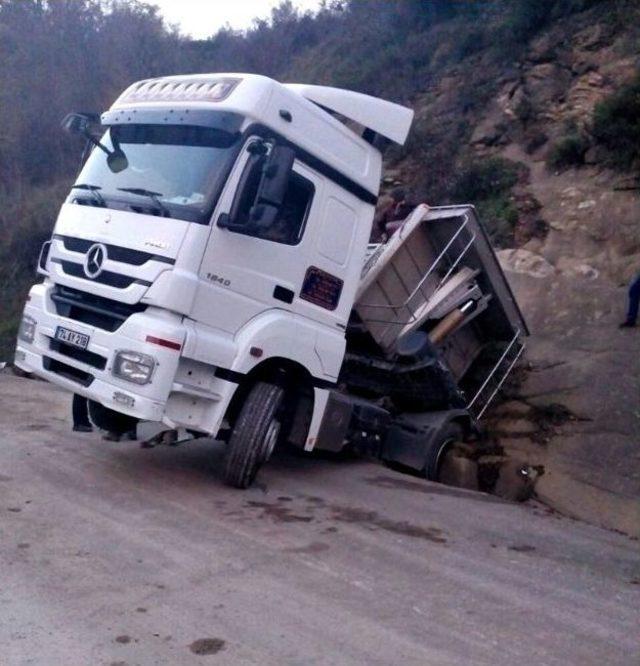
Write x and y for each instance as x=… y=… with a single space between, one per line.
x=94 y=259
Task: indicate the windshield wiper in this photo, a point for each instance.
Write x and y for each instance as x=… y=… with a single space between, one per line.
x=154 y=196
x=94 y=191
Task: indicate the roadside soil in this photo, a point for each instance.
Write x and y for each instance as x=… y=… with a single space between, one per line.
x=112 y=554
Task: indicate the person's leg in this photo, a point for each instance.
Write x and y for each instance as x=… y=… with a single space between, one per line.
x=634 y=302
x=80 y=413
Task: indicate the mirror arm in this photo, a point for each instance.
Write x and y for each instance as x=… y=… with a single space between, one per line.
x=224 y=222
x=92 y=139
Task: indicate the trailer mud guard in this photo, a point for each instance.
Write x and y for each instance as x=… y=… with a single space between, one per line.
x=416 y=440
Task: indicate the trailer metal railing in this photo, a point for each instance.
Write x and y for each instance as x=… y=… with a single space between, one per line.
x=519 y=349
x=418 y=289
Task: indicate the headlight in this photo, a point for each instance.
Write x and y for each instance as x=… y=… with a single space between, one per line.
x=134 y=367
x=27 y=330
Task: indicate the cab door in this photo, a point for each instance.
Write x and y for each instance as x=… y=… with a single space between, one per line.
x=257 y=261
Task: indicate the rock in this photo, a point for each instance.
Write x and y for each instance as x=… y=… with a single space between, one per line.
x=587 y=203
x=593 y=156
x=535 y=140
x=546 y=83
x=542 y=49
x=627 y=182
x=592 y=38
x=488 y=134
x=516 y=481
x=582 y=66
x=576 y=268
x=523 y=261
x=512 y=408
x=576 y=247
x=517 y=427
x=493 y=129
x=459 y=471
x=582 y=96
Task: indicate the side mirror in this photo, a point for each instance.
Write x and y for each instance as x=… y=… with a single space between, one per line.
x=275 y=177
x=263 y=216
x=256 y=206
x=117 y=161
x=79 y=123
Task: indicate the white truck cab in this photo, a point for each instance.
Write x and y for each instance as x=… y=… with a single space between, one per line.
x=203 y=271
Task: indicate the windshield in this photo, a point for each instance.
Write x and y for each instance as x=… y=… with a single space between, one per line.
x=170 y=170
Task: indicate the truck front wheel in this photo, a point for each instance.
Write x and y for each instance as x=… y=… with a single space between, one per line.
x=254 y=435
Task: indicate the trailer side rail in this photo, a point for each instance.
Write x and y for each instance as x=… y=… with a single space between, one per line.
x=425 y=277
x=509 y=358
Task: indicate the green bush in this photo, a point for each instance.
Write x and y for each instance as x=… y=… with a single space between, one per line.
x=25 y=223
x=525 y=18
x=568 y=151
x=500 y=217
x=485 y=179
x=616 y=125
x=487 y=184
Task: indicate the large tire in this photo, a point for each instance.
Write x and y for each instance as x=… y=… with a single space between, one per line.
x=254 y=435
x=107 y=419
x=446 y=439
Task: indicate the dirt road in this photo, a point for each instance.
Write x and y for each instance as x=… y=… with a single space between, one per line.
x=110 y=554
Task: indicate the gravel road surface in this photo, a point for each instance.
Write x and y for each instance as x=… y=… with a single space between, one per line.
x=111 y=554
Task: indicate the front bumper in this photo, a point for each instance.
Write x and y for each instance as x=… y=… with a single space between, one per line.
x=90 y=374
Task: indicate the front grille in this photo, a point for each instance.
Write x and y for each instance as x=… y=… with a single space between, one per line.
x=116 y=253
x=106 y=277
x=93 y=310
x=81 y=355
x=67 y=371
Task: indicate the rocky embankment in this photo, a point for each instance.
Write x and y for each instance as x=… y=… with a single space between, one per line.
x=576 y=407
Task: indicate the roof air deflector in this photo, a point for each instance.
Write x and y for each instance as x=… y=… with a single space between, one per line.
x=392 y=121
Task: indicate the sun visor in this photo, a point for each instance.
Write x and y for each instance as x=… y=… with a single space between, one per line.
x=174 y=115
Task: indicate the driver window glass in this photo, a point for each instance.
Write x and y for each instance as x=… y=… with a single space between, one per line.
x=288 y=226
x=249 y=183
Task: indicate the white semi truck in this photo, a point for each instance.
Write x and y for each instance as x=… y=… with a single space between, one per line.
x=211 y=271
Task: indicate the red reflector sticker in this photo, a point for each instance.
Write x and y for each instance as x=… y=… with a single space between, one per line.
x=164 y=343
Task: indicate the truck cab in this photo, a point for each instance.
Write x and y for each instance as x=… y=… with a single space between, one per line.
x=215 y=237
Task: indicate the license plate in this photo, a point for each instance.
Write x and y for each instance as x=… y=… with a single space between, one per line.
x=72 y=337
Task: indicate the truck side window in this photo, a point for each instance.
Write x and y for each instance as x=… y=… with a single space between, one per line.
x=289 y=224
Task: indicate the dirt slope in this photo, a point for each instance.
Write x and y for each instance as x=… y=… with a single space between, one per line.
x=577 y=244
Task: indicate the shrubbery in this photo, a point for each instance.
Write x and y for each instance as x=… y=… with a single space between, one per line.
x=485 y=178
x=525 y=18
x=568 y=151
x=616 y=125
x=25 y=223
x=487 y=184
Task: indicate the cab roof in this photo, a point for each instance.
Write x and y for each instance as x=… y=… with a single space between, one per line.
x=296 y=111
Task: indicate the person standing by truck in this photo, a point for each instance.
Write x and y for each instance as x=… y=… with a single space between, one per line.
x=391 y=212
x=634 y=304
x=80 y=414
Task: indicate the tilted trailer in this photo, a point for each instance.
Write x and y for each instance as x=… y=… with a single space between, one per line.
x=434 y=333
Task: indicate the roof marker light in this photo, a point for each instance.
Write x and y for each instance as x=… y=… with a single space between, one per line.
x=199 y=89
